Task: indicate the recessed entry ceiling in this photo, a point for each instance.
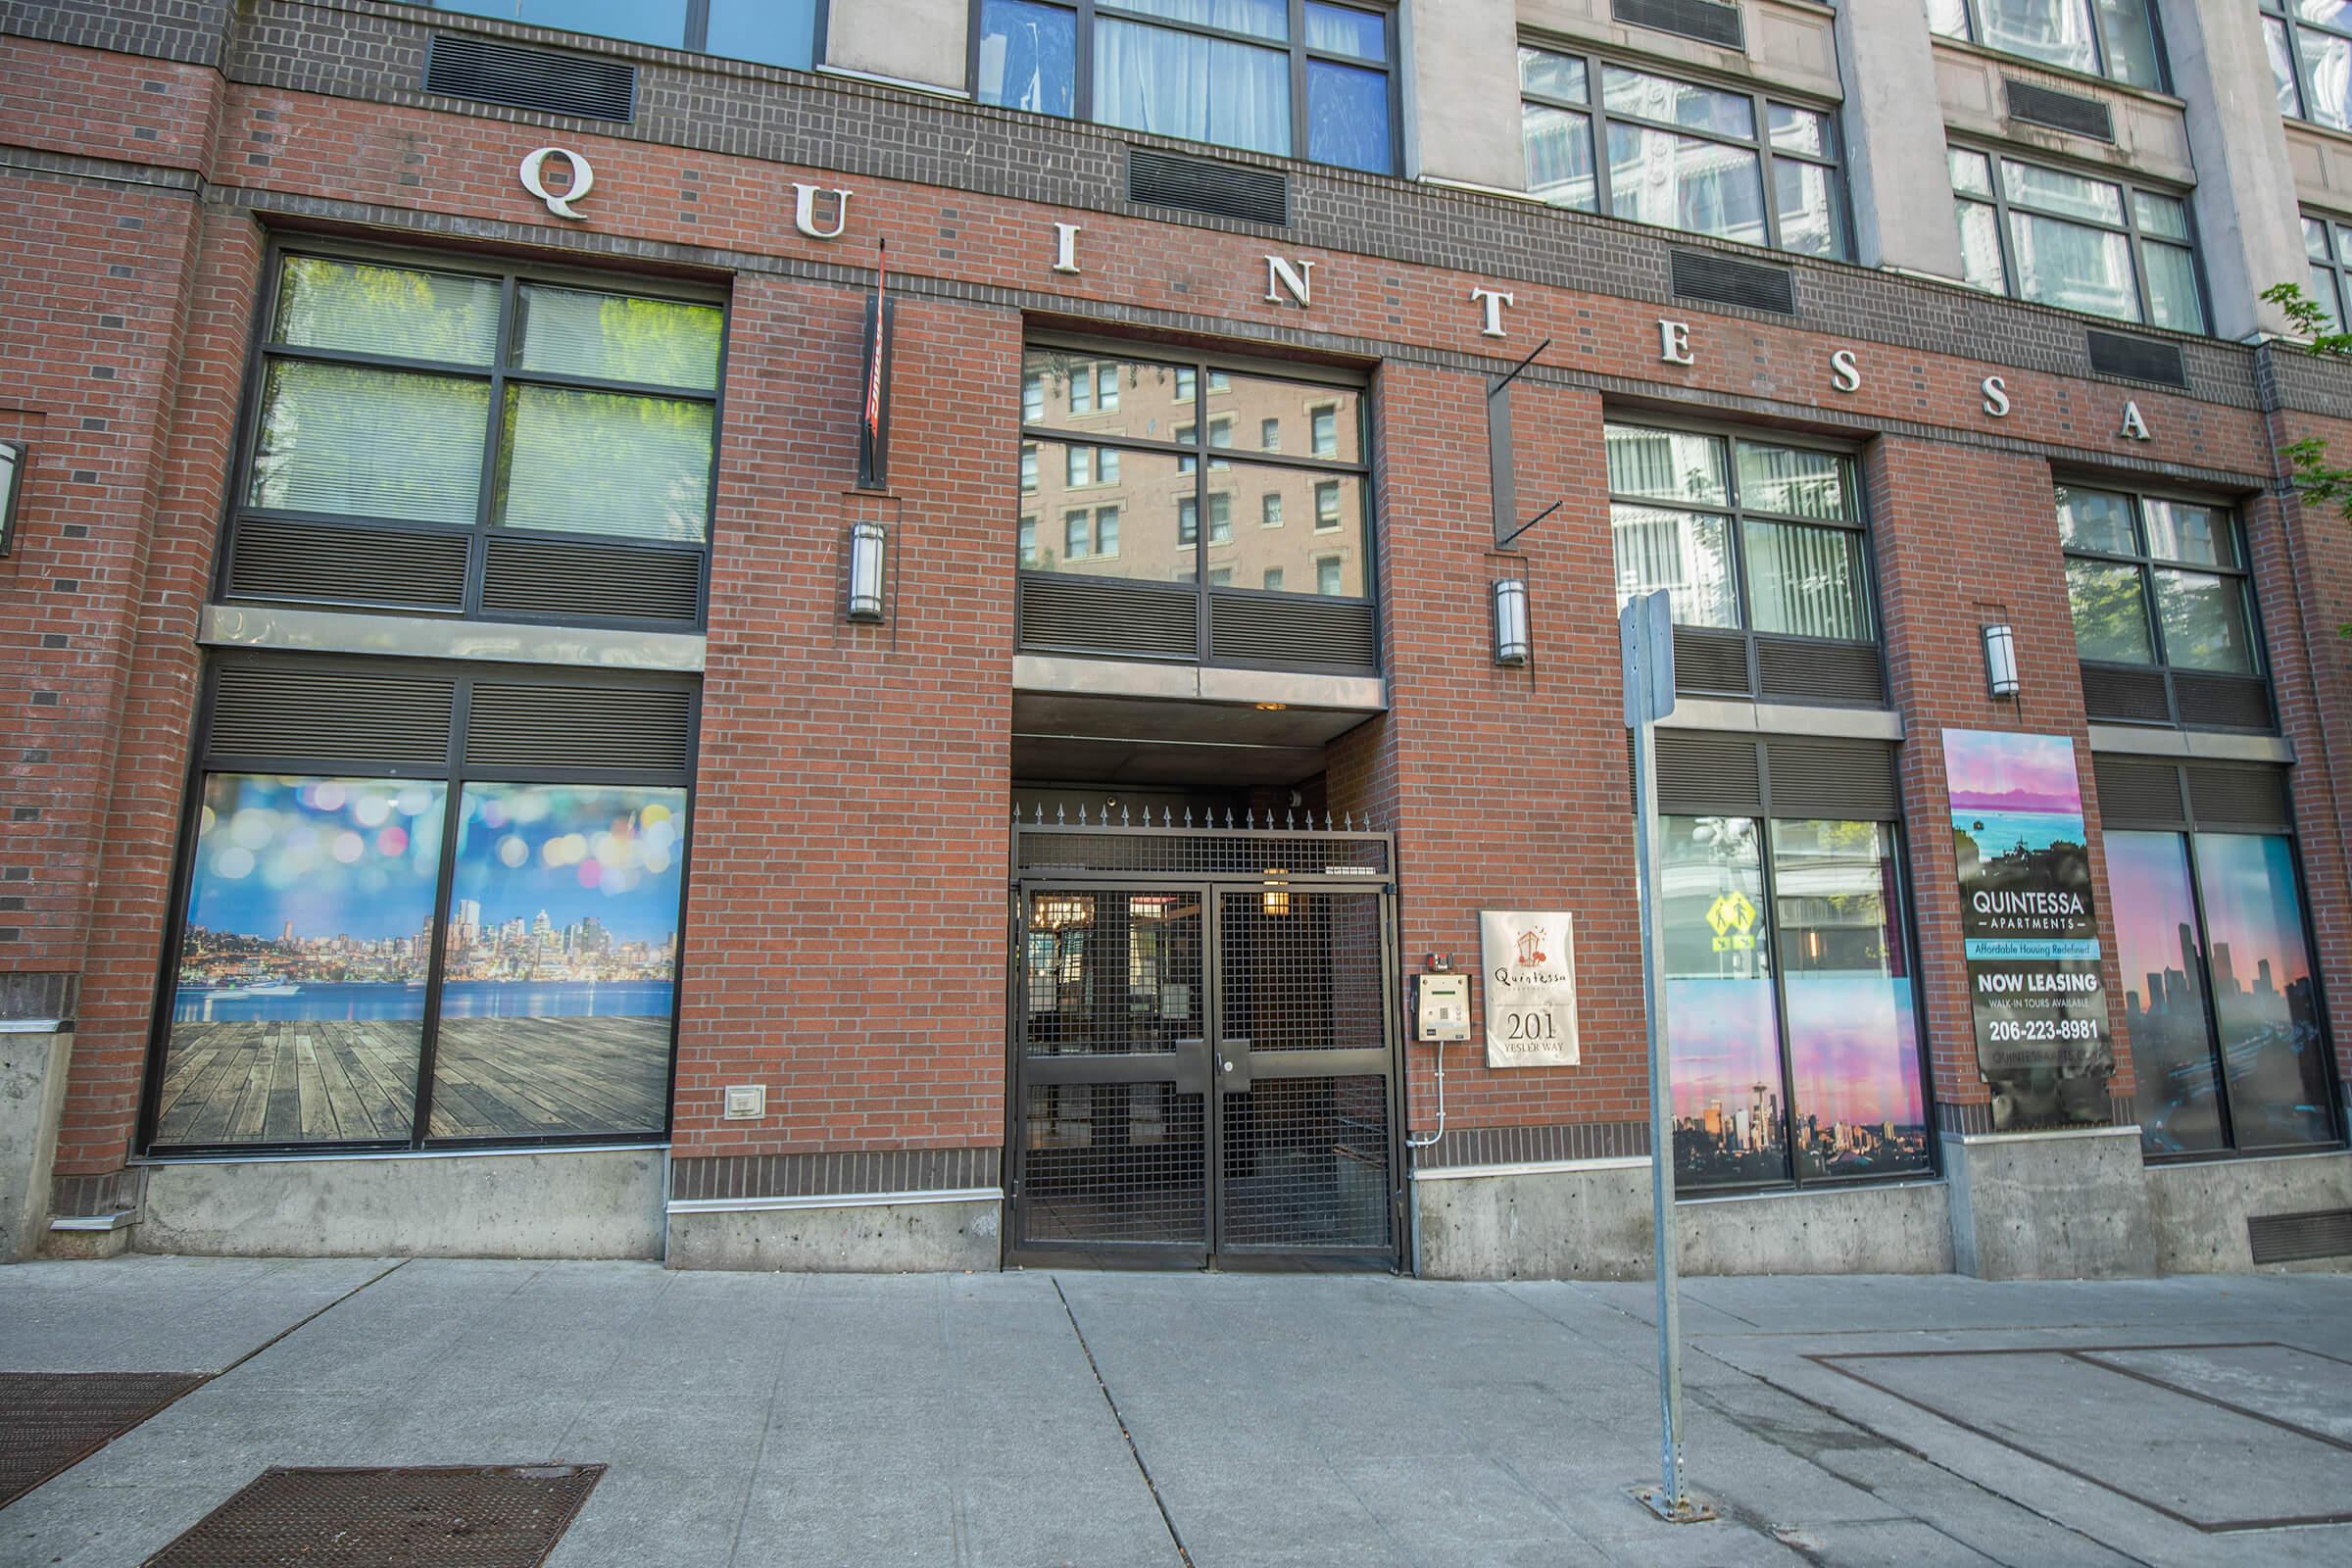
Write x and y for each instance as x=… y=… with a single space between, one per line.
x=1064 y=737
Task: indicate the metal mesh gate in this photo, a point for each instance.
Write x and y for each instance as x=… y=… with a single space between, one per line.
x=1203 y=1045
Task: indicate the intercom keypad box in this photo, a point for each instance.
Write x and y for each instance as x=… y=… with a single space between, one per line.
x=1441 y=1007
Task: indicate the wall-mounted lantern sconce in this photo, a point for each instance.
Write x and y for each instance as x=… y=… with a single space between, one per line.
x=869 y=553
x=13 y=463
x=2000 y=661
x=1511 y=621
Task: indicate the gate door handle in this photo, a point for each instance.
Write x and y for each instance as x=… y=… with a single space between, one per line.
x=1193 y=1065
x=1233 y=1065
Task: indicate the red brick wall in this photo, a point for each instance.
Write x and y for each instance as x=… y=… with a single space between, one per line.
x=845 y=939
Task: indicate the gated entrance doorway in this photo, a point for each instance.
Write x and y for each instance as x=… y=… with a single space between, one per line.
x=1203 y=1045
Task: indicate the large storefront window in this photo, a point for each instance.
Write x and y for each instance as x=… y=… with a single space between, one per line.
x=2046 y=235
x=2228 y=1036
x=1687 y=154
x=2310 y=44
x=2112 y=38
x=771 y=33
x=1752 y=539
x=2219 y=992
x=484 y=953
x=2163 y=609
x=1792 y=1024
x=432 y=437
x=1313 y=81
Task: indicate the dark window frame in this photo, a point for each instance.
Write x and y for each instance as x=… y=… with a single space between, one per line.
x=2138 y=240
x=2106 y=53
x=1761 y=97
x=2290 y=26
x=1898 y=855
x=2185 y=827
x=2337 y=262
x=2146 y=563
x=452 y=772
x=1202 y=462
x=696 y=25
x=1737 y=515
x=1296 y=47
x=511 y=276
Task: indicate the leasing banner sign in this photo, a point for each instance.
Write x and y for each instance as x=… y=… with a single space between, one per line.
x=2026 y=913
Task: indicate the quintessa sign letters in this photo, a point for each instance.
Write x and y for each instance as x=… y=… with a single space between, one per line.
x=2032 y=934
x=1530 y=964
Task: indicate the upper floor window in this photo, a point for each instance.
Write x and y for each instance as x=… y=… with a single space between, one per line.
x=2328 y=244
x=1710 y=160
x=1313 y=79
x=2082 y=244
x=2311 y=59
x=427 y=437
x=771 y=33
x=2161 y=585
x=1749 y=537
x=2112 y=38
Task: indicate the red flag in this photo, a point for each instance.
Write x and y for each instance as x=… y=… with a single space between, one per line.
x=874 y=372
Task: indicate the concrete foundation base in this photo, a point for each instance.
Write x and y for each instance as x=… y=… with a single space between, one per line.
x=1591 y=1220
x=32 y=1094
x=600 y=1203
x=2067 y=1204
x=858 y=1237
x=2199 y=1211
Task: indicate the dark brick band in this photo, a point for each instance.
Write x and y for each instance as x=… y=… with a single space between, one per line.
x=878 y=1170
x=37 y=996
x=1527 y=1146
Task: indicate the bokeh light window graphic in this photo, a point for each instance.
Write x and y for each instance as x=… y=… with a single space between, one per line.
x=563 y=960
x=298 y=1009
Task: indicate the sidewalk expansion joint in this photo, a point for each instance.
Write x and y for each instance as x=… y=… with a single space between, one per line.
x=1175 y=1538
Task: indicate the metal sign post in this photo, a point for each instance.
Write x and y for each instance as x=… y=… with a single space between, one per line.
x=1646 y=646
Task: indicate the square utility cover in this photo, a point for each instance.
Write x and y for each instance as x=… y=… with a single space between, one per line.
x=479 y=1516
x=49 y=1421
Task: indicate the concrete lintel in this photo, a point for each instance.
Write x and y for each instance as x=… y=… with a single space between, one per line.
x=1533 y=1167
x=335 y=631
x=1120 y=677
x=2041 y=1135
x=753 y=1205
x=92 y=1222
x=879 y=79
x=36 y=1026
x=2131 y=740
x=1784 y=718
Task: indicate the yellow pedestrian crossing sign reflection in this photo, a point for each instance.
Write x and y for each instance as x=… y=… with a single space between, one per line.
x=1733 y=918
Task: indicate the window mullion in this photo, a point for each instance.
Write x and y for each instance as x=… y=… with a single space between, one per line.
x=1597 y=127
x=1770 y=189
x=2221 y=1098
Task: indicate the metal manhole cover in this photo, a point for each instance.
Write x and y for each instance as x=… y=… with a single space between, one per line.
x=453 y=1516
x=51 y=1420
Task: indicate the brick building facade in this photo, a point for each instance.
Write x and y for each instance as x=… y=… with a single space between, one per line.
x=236 y=230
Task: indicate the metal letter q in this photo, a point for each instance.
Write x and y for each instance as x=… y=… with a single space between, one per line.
x=583 y=181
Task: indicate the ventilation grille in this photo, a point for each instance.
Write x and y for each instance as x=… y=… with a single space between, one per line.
x=533 y=726
x=2218 y=702
x=329 y=716
x=1833 y=778
x=1076 y=615
x=1701 y=774
x=1293 y=632
x=1205 y=186
x=369 y=567
x=2136 y=359
x=2133 y=695
x=1829 y=672
x=2137 y=794
x=1707 y=20
x=2060 y=110
x=1710 y=661
x=535 y=577
x=1728 y=280
x=2243 y=797
x=460 y=64
x=2292 y=1238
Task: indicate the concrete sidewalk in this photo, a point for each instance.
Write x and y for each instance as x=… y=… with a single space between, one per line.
x=1116 y=1419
